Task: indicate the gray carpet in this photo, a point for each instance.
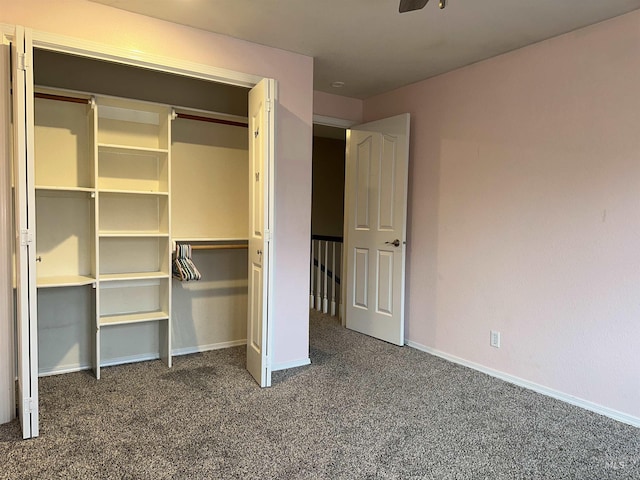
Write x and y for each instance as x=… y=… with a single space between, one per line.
x=363 y=409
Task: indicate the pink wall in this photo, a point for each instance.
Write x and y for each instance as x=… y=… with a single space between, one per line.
x=108 y=26
x=524 y=212
x=336 y=106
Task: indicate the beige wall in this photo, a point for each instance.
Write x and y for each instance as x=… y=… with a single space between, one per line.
x=524 y=213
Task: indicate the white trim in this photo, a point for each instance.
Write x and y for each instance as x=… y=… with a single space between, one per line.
x=294 y=364
x=58 y=370
x=100 y=51
x=176 y=352
x=85 y=48
x=143 y=357
x=49 y=372
x=7 y=367
x=206 y=348
x=271 y=244
x=549 y=392
x=332 y=121
x=7 y=31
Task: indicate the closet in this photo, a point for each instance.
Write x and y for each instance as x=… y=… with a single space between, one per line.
x=119 y=182
x=115 y=160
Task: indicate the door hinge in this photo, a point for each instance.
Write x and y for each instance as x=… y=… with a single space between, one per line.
x=26 y=237
x=267 y=235
x=29 y=406
x=23 y=61
x=268 y=104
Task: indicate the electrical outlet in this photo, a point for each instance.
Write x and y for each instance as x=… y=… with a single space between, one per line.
x=495 y=339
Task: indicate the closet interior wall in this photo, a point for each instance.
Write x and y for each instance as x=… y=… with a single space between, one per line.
x=210 y=204
x=195 y=175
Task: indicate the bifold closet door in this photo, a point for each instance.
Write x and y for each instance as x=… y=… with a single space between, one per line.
x=261 y=159
x=7 y=368
x=24 y=172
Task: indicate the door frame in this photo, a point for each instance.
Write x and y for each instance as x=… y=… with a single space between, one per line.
x=99 y=51
x=346 y=125
x=7 y=367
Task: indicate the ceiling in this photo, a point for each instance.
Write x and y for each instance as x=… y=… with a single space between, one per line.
x=371 y=47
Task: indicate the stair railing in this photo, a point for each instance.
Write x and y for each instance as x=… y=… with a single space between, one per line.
x=326 y=265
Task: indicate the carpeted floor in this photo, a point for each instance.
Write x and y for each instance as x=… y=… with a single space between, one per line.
x=363 y=409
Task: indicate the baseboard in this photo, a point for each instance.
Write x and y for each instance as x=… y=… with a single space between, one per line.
x=564 y=397
x=59 y=370
x=205 y=348
x=63 y=369
x=130 y=359
x=296 y=363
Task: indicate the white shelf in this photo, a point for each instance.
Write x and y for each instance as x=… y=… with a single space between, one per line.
x=210 y=239
x=57 y=188
x=131 y=234
x=113 y=277
x=129 y=149
x=129 y=318
x=132 y=192
x=64 y=281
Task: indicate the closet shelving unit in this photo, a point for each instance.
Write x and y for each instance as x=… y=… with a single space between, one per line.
x=66 y=262
x=65 y=193
x=133 y=211
x=109 y=207
x=102 y=181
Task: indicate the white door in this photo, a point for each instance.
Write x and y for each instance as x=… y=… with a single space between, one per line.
x=261 y=157
x=26 y=305
x=375 y=227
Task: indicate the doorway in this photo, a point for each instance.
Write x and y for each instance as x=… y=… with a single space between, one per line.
x=375 y=179
x=327 y=218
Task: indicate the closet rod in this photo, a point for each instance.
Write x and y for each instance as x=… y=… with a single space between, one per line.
x=218 y=247
x=60 y=98
x=187 y=116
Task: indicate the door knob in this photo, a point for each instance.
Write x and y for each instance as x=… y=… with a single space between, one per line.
x=395 y=243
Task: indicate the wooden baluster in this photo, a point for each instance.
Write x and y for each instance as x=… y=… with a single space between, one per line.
x=319 y=279
x=325 y=301
x=341 y=309
x=311 y=269
x=333 y=278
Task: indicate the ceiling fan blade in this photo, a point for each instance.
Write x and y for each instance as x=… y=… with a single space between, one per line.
x=410 y=5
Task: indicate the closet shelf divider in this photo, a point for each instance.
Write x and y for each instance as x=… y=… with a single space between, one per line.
x=123 y=319
x=129 y=149
x=64 y=281
x=132 y=234
x=114 y=277
x=210 y=240
x=58 y=188
x=133 y=192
